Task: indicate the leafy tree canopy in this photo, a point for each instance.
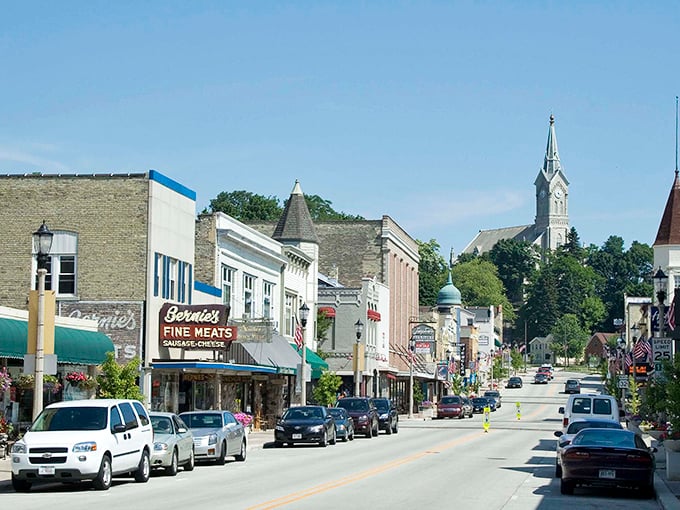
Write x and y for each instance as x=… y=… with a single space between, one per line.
x=480 y=285
x=515 y=261
x=568 y=337
x=119 y=381
x=433 y=271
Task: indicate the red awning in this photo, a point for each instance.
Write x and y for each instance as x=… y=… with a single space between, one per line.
x=373 y=315
x=391 y=376
x=328 y=311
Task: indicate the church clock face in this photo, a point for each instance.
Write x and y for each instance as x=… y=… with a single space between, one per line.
x=558 y=193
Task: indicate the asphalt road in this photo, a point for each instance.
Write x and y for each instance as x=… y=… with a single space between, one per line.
x=429 y=464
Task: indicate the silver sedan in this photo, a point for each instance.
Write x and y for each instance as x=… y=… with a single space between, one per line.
x=217 y=435
x=173 y=443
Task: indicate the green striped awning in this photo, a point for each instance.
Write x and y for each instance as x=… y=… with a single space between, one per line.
x=70 y=345
x=314 y=360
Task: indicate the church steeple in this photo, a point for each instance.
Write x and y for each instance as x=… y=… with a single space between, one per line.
x=551 y=162
x=669 y=229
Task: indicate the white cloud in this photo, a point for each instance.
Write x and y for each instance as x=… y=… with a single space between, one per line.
x=13 y=156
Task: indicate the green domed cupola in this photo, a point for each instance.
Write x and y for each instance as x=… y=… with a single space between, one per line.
x=449 y=295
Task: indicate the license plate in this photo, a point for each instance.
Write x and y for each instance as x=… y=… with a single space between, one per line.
x=46 y=470
x=607 y=473
x=297 y=436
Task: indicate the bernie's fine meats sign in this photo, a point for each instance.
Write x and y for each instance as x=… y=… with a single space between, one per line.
x=195 y=326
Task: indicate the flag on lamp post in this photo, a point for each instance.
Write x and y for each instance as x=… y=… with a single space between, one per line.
x=299 y=338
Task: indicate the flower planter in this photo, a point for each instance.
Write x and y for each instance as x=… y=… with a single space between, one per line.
x=672 y=445
x=672 y=465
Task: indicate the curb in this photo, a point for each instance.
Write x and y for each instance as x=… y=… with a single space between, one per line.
x=664 y=496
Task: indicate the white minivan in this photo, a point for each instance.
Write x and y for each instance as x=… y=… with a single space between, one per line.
x=590 y=405
x=84 y=440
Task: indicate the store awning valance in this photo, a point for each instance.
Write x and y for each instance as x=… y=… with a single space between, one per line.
x=313 y=360
x=273 y=354
x=71 y=345
x=328 y=311
x=497 y=343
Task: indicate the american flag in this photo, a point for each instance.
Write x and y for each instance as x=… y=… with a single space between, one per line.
x=642 y=349
x=452 y=365
x=627 y=361
x=299 y=338
x=670 y=316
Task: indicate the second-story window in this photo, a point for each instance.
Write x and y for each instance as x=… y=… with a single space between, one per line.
x=248 y=288
x=289 y=316
x=227 y=284
x=62 y=264
x=267 y=299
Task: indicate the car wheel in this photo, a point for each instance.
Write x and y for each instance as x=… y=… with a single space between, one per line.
x=396 y=427
x=345 y=438
x=324 y=440
x=647 y=491
x=223 y=454
x=351 y=436
x=103 y=480
x=369 y=433
x=242 y=454
x=388 y=430
x=191 y=463
x=144 y=469
x=20 y=485
x=567 y=486
x=172 y=469
x=334 y=438
x=558 y=470
x=376 y=430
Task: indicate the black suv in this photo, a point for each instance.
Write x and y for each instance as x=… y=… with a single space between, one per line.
x=388 y=418
x=363 y=413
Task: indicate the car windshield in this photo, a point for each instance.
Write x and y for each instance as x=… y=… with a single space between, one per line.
x=71 y=418
x=352 y=404
x=337 y=412
x=161 y=424
x=480 y=400
x=303 y=413
x=202 y=420
x=604 y=437
x=450 y=400
x=491 y=394
x=578 y=426
x=381 y=405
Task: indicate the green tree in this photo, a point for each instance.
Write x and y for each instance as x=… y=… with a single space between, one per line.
x=515 y=261
x=516 y=360
x=119 y=381
x=323 y=323
x=326 y=389
x=246 y=206
x=568 y=337
x=479 y=285
x=321 y=210
x=433 y=271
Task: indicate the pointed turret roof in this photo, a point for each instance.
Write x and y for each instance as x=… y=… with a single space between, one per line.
x=295 y=223
x=551 y=163
x=449 y=295
x=669 y=230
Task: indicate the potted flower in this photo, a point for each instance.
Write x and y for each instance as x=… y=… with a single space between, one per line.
x=81 y=379
x=244 y=419
x=51 y=383
x=5 y=380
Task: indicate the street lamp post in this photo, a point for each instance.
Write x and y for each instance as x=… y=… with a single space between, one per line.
x=491 y=358
x=412 y=353
x=304 y=314
x=42 y=242
x=660 y=283
x=526 y=350
x=359 y=328
x=635 y=331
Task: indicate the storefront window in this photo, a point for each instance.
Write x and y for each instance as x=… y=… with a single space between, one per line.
x=165 y=392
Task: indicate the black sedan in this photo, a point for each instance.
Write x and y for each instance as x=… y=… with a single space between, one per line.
x=610 y=458
x=514 y=382
x=388 y=418
x=305 y=424
x=541 y=378
x=479 y=403
x=344 y=425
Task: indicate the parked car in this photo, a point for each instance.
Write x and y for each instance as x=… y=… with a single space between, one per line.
x=565 y=438
x=479 y=403
x=388 y=417
x=572 y=386
x=84 y=440
x=217 y=435
x=454 y=406
x=514 y=382
x=344 y=425
x=541 y=378
x=494 y=394
x=305 y=424
x=363 y=413
x=173 y=443
x=608 y=457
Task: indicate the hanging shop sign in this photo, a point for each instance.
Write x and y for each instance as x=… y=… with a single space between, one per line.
x=202 y=327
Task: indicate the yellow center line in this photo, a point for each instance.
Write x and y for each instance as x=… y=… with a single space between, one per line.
x=324 y=487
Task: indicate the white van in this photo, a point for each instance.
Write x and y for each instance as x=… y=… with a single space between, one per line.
x=84 y=440
x=590 y=405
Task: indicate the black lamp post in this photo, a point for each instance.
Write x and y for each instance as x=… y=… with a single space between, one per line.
x=42 y=243
x=304 y=314
x=660 y=284
x=358 y=328
x=412 y=353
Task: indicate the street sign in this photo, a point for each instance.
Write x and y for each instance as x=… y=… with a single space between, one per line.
x=623 y=382
x=662 y=350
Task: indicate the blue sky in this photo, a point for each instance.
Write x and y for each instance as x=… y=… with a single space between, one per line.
x=434 y=113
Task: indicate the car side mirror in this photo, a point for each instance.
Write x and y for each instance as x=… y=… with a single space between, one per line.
x=561 y=410
x=558 y=433
x=120 y=427
x=622 y=413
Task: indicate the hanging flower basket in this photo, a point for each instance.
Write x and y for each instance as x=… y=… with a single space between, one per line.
x=5 y=380
x=50 y=383
x=81 y=380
